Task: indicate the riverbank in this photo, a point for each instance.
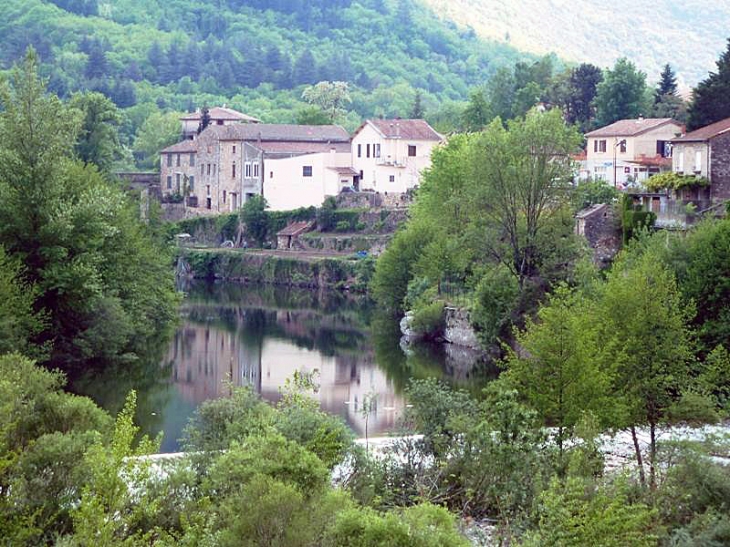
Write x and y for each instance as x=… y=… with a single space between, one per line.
x=309 y=270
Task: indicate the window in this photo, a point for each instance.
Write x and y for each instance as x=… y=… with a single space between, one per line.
x=698 y=161
x=208 y=203
x=412 y=150
x=377 y=150
x=169 y=160
x=191 y=159
x=191 y=183
x=208 y=169
x=177 y=161
x=214 y=169
x=367 y=150
x=169 y=182
x=202 y=169
x=256 y=169
x=207 y=190
x=233 y=170
x=224 y=196
x=622 y=146
x=307 y=171
x=680 y=162
x=392 y=178
x=271 y=174
x=219 y=122
x=599 y=172
x=234 y=148
x=359 y=150
x=247 y=170
x=177 y=182
x=599 y=146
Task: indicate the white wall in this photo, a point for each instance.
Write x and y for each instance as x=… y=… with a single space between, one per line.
x=289 y=189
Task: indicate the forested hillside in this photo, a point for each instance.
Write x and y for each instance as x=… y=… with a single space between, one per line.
x=688 y=34
x=253 y=54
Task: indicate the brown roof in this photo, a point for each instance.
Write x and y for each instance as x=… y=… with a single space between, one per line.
x=344 y=170
x=706 y=133
x=296 y=228
x=221 y=113
x=188 y=145
x=417 y=130
x=631 y=128
x=274 y=148
x=280 y=132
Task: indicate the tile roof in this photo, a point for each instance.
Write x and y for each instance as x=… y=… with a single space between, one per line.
x=188 y=145
x=344 y=170
x=296 y=228
x=280 y=132
x=221 y=113
x=631 y=128
x=272 y=148
x=706 y=133
x=417 y=130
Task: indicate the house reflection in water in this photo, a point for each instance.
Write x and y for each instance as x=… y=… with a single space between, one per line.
x=263 y=353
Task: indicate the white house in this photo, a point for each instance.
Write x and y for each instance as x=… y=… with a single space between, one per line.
x=630 y=150
x=390 y=155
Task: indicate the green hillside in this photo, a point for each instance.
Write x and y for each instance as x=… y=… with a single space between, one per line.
x=689 y=34
x=254 y=55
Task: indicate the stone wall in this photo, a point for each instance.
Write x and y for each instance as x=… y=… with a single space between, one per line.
x=372 y=200
x=720 y=168
x=602 y=229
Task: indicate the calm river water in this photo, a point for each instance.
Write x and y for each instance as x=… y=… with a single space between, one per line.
x=232 y=334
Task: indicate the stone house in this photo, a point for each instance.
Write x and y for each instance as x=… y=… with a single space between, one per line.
x=290 y=165
x=178 y=168
x=389 y=155
x=601 y=228
x=218 y=116
x=705 y=153
x=629 y=151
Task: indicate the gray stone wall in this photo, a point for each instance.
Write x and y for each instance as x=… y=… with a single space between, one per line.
x=720 y=168
x=602 y=229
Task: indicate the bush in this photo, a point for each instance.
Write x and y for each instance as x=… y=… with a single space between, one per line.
x=497 y=297
x=428 y=319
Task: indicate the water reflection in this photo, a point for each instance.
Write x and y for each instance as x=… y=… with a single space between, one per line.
x=236 y=335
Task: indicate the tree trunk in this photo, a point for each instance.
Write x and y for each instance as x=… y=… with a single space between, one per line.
x=639 y=460
x=652 y=456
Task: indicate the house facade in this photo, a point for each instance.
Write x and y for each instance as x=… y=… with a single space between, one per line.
x=706 y=153
x=629 y=151
x=290 y=165
x=218 y=116
x=389 y=155
x=178 y=169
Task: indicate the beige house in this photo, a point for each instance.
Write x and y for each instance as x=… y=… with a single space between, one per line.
x=390 y=155
x=218 y=116
x=630 y=151
x=178 y=169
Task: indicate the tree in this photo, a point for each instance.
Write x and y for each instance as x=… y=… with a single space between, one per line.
x=579 y=108
x=710 y=102
x=501 y=93
x=645 y=344
x=157 y=132
x=331 y=97
x=417 y=111
x=622 y=94
x=204 y=119
x=104 y=286
x=556 y=372
x=667 y=83
x=312 y=115
x=98 y=141
x=255 y=219
x=305 y=69
x=477 y=113
x=517 y=177
x=19 y=324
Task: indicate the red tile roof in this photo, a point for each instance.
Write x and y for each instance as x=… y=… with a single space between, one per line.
x=280 y=132
x=417 y=130
x=221 y=113
x=631 y=128
x=186 y=146
x=298 y=148
x=706 y=133
x=296 y=228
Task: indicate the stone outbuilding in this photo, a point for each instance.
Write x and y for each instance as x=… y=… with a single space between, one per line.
x=600 y=226
x=287 y=238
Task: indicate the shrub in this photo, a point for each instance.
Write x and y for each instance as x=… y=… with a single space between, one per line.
x=497 y=297
x=428 y=319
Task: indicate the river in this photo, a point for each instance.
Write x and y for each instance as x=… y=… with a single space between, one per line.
x=248 y=335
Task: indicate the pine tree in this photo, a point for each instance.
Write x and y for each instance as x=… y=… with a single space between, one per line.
x=711 y=97
x=204 y=119
x=417 y=111
x=667 y=84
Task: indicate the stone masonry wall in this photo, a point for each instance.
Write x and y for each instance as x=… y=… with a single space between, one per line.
x=720 y=168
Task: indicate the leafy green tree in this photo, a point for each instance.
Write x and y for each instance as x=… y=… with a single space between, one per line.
x=19 y=324
x=98 y=141
x=312 y=115
x=331 y=97
x=645 y=344
x=104 y=286
x=255 y=219
x=709 y=99
x=579 y=107
x=556 y=372
x=501 y=93
x=477 y=113
x=622 y=94
x=417 y=111
x=157 y=132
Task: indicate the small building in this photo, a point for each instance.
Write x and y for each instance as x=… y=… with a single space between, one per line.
x=219 y=115
x=629 y=151
x=390 y=155
x=705 y=153
x=286 y=238
x=178 y=164
x=600 y=226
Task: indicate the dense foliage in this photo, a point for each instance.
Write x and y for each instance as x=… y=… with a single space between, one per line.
x=100 y=287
